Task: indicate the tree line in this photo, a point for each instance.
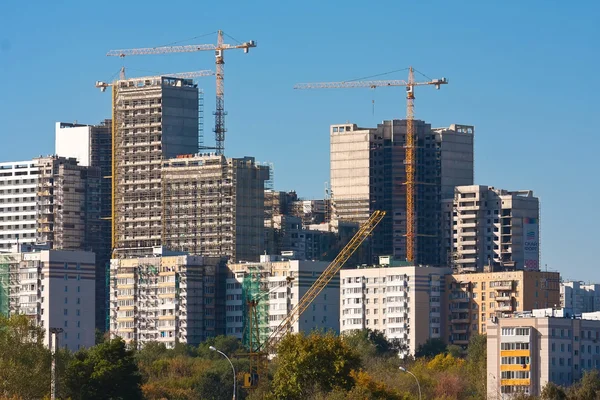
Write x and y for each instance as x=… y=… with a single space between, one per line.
x=315 y=366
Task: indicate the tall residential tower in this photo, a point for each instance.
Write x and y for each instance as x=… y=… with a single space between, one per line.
x=368 y=173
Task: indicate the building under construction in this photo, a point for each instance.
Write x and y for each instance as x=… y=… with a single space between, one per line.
x=214 y=206
x=68 y=212
x=167 y=298
x=368 y=172
x=155 y=118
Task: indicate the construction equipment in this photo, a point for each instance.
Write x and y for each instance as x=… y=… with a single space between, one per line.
x=219 y=48
x=410 y=157
x=258 y=359
x=182 y=75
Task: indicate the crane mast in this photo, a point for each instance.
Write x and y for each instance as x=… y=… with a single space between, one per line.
x=410 y=145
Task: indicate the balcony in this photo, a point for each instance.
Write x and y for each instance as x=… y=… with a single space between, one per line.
x=459 y=299
x=460 y=330
x=460 y=320
x=504 y=297
x=504 y=308
x=502 y=285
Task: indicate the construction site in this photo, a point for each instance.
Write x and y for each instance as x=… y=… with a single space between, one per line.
x=214 y=206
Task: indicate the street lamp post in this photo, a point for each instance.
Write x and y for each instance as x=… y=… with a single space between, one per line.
x=213 y=348
x=53 y=348
x=413 y=375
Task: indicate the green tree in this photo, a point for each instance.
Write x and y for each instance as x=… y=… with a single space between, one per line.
x=553 y=392
x=588 y=387
x=105 y=371
x=477 y=364
x=24 y=360
x=431 y=348
x=317 y=362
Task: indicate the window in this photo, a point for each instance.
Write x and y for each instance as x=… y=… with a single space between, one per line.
x=65 y=312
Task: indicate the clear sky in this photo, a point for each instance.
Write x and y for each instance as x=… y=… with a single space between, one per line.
x=524 y=73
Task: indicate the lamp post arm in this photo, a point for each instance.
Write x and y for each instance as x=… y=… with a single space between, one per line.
x=232 y=368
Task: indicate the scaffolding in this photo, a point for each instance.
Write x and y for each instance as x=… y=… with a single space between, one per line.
x=255 y=309
x=4 y=285
x=141 y=109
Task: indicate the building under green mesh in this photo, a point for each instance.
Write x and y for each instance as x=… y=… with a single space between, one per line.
x=253 y=289
x=5 y=262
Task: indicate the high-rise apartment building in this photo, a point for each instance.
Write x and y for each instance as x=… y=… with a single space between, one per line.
x=492 y=227
x=55 y=288
x=214 y=206
x=403 y=302
x=68 y=212
x=368 y=173
x=166 y=298
x=278 y=284
x=580 y=297
x=154 y=119
x=474 y=299
x=18 y=206
x=91 y=145
x=528 y=350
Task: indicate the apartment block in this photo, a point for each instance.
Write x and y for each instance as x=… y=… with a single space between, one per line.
x=495 y=228
x=155 y=118
x=525 y=351
x=167 y=298
x=214 y=206
x=473 y=299
x=368 y=173
x=18 y=206
x=278 y=284
x=55 y=288
x=402 y=301
x=91 y=146
x=580 y=297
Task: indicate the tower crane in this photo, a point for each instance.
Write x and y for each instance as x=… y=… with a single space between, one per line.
x=258 y=358
x=410 y=157
x=219 y=48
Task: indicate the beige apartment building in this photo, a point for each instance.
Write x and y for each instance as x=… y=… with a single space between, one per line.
x=402 y=301
x=166 y=298
x=475 y=298
x=527 y=350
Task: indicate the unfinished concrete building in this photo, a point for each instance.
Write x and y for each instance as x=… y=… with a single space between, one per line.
x=214 y=206
x=493 y=228
x=368 y=173
x=155 y=118
x=68 y=212
x=91 y=145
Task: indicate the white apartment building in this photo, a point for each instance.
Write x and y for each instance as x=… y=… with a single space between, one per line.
x=580 y=297
x=18 y=183
x=403 y=302
x=55 y=288
x=278 y=284
x=492 y=227
x=528 y=350
x=165 y=298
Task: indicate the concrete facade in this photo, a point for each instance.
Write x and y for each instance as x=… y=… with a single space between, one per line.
x=18 y=206
x=91 y=146
x=156 y=118
x=473 y=299
x=55 y=288
x=214 y=206
x=368 y=173
x=527 y=351
x=402 y=302
x=495 y=228
x=580 y=297
x=166 y=299
x=281 y=284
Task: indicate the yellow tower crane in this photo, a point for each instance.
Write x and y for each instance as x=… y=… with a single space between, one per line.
x=410 y=157
x=219 y=48
x=259 y=354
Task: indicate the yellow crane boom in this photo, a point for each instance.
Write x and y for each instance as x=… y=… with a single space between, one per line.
x=218 y=48
x=410 y=157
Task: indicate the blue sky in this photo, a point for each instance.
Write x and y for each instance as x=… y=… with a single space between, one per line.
x=524 y=73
